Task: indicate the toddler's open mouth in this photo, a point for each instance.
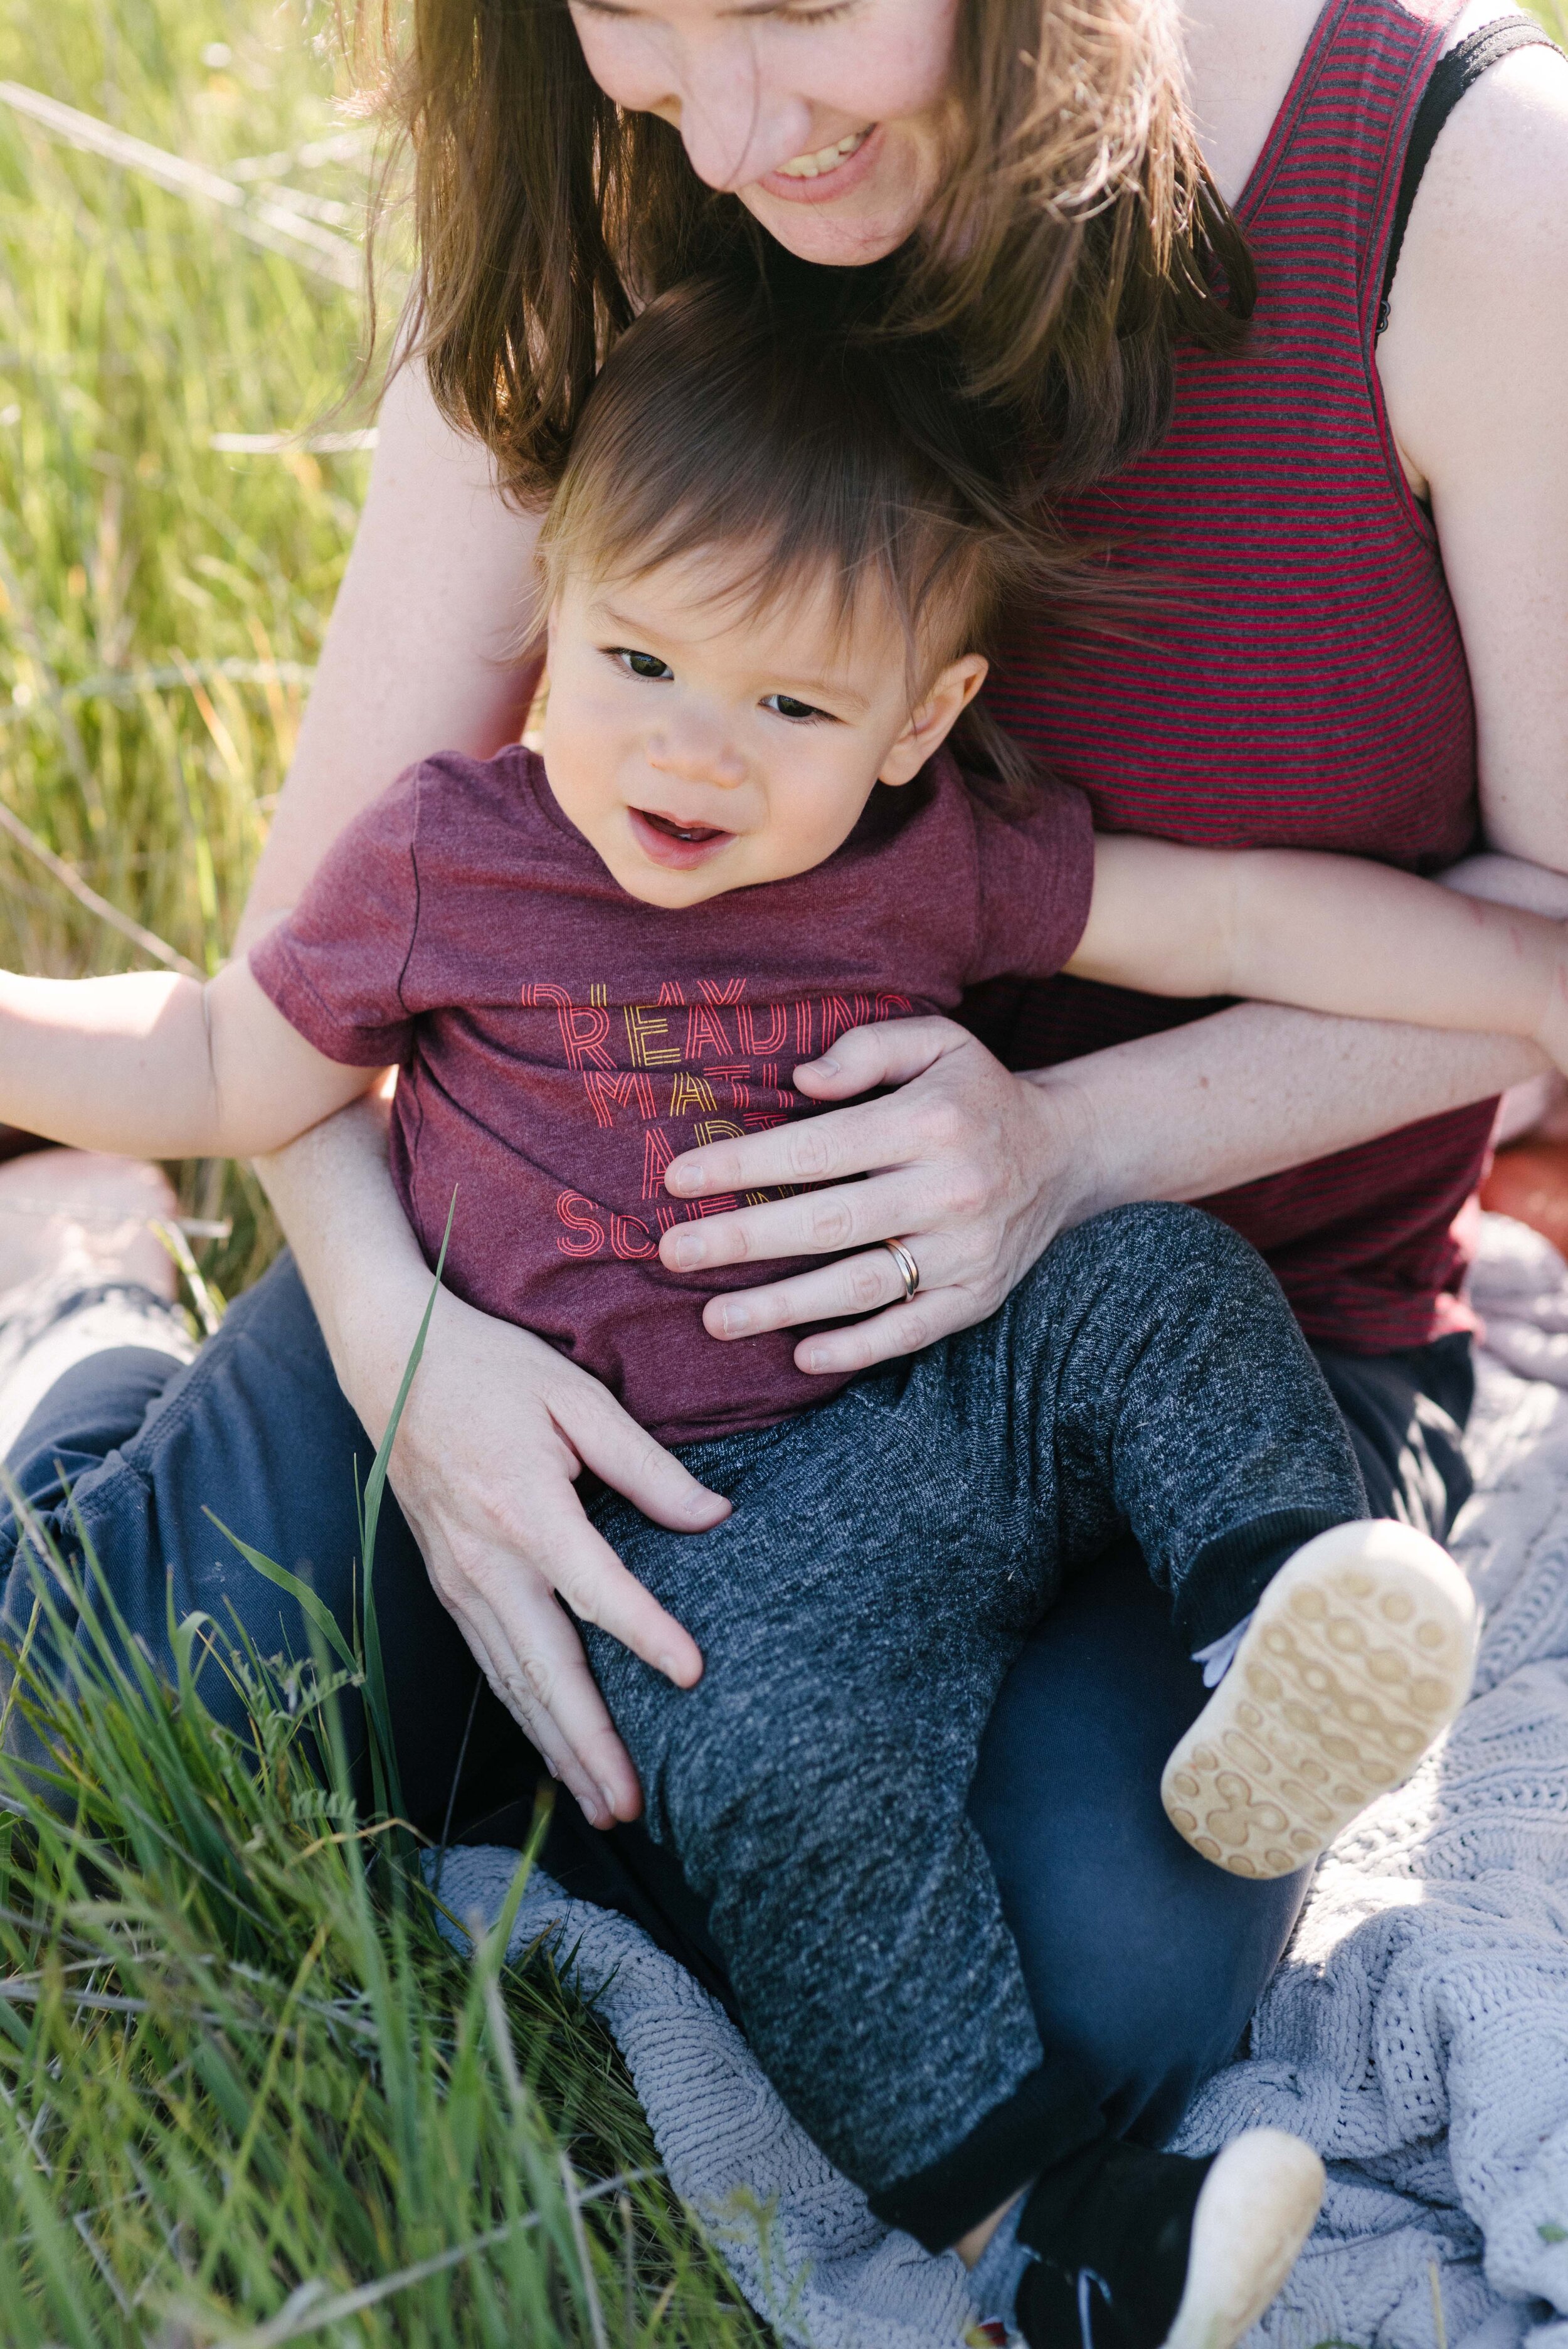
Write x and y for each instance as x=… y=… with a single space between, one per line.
x=677 y=846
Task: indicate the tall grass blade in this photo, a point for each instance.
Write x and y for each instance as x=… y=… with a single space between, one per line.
x=370 y=1517
x=309 y=1602
x=272 y=225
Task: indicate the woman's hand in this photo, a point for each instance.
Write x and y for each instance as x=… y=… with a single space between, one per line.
x=973 y=1170
x=497 y=1427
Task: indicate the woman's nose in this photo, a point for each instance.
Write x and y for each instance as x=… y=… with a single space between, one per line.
x=735 y=121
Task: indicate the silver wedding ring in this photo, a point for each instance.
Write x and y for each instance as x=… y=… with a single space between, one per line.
x=908 y=1270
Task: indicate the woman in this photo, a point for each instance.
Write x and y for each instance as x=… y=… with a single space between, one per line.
x=1395 y=509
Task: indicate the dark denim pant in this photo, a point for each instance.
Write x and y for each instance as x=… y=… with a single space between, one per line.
x=1142 y=1962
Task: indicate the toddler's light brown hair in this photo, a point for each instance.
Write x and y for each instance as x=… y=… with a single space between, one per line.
x=761 y=415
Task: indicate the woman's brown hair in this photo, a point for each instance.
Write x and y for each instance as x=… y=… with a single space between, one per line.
x=1077 y=239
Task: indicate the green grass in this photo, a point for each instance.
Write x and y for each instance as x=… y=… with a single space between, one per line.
x=240 y=2072
x=175 y=594
x=248 y=2095
x=237 y=2064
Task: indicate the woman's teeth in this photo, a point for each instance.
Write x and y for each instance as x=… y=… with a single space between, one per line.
x=826 y=159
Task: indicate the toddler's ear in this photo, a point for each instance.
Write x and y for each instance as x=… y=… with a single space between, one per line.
x=933 y=719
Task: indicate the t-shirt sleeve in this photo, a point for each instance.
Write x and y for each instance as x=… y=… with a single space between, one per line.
x=335 y=966
x=1036 y=875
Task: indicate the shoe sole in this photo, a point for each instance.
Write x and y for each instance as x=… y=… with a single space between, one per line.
x=1256 y=2210
x=1359 y=1654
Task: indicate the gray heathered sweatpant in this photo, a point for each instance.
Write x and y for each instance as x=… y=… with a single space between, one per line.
x=857 y=1613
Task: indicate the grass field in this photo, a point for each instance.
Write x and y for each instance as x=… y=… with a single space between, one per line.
x=238 y=2079
x=161 y=600
x=246 y=2093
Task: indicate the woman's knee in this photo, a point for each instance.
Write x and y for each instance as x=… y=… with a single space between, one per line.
x=252 y=1433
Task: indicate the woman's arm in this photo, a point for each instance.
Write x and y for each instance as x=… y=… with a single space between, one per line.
x=428 y=648
x=497 y=1428
x=1472 y=367
x=1328 y=933
x=976 y=1170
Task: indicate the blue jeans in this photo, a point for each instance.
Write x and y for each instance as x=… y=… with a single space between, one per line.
x=1142 y=1963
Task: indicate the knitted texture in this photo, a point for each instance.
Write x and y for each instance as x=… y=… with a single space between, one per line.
x=1417 y=2033
x=797 y=2237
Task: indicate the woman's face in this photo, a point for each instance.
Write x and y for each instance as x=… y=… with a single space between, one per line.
x=831 y=120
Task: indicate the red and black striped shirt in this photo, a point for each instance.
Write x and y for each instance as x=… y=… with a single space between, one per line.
x=1297 y=679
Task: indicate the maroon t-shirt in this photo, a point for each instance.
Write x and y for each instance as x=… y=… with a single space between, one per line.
x=558 y=1042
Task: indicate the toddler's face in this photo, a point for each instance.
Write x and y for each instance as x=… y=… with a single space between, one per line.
x=700 y=749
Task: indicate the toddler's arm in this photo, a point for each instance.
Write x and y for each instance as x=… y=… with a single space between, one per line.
x=1329 y=933
x=161 y=1068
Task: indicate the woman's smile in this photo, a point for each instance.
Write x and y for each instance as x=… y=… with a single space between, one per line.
x=829 y=175
x=836 y=127
x=826 y=159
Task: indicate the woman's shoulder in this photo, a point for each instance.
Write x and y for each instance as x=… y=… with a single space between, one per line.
x=1493 y=187
x=1490 y=215
x=1473 y=354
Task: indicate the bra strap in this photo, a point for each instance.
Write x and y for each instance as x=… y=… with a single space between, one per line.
x=1452 y=75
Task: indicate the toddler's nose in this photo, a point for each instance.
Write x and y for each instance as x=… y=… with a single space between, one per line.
x=697 y=756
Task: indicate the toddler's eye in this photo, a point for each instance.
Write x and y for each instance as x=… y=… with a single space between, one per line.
x=646 y=664
x=787 y=707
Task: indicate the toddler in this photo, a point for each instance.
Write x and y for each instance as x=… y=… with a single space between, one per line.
x=773 y=565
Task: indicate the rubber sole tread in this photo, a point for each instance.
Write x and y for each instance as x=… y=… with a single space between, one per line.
x=1359 y=1656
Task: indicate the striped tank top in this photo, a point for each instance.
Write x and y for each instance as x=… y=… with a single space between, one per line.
x=1296 y=678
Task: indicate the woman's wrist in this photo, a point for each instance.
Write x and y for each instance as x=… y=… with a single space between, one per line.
x=362 y=1267
x=1246 y=1094
x=1079 y=1179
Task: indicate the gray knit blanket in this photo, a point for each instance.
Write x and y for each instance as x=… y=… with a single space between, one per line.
x=1416 y=2033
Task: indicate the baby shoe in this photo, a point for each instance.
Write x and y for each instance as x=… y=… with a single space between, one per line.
x=1140 y=2250
x=1357 y=1657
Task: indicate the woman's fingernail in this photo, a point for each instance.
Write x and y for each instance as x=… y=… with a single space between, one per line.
x=687 y=1252
x=551 y=1767
x=827 y=1065
x=733 y=1319
x=589 y=1808
x=669 y=1667
x=683 y=1178
x=609 y=1802
x=815 y=1360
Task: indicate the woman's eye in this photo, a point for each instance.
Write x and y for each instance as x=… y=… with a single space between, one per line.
x=648 y=665
x=787 y=707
